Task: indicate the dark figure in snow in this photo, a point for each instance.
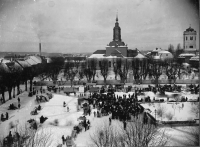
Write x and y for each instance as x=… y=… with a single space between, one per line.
x=6 y=115
x=2 y=117
x=63 y=139
x=18 y=100
x=39 y=107
x=10 y=134
x=110 y=121
x=94 y=113
x=64 y=104
x=19 y=106
x=88 y=124
x=124 y=122
x=67 y=109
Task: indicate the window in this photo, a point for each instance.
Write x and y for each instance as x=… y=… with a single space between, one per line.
x=191 y=38
x=109 y=63
x=99 y=63
x=191 y=46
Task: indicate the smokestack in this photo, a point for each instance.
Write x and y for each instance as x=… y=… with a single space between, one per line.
x=40 y=48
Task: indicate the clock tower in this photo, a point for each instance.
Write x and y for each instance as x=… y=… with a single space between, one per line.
x=116 y=31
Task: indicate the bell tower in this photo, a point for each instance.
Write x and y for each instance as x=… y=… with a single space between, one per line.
x=189 y=40
x=117 y=31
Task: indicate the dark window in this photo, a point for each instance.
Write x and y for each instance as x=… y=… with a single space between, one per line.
x=191 y=46
x=99 y=63
x=109 y=63
x=191 y=38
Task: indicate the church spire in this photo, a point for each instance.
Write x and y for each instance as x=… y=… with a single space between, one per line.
x=117 y=17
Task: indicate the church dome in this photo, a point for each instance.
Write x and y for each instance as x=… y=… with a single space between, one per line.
x=190 y=29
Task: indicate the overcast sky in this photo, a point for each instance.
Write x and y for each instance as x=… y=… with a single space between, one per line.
x=68 y=26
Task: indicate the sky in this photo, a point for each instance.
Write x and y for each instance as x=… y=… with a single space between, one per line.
x=78 y=26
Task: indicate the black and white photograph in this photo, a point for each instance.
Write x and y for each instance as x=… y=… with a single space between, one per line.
x=99 y=73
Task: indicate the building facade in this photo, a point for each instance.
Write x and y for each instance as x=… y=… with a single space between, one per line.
x=189 y=40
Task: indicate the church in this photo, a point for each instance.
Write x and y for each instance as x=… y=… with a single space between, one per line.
x=116 y=48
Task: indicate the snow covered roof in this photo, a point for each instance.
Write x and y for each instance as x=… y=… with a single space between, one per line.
x=140 y=56
x=186 y=54
x=100 y=52
x=164 y=52
x=23 y=63
x=97 y=56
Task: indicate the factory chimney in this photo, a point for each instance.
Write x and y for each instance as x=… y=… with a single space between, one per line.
x=40 y=48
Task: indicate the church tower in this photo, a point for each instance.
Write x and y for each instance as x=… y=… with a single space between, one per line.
x=116 y=47
x=117 y=31
x=189 y=40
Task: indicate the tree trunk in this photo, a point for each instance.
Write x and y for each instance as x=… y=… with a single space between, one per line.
x=31 y=84
x=3 y=95
x=9 y=92
x=14 y=92
x=105 y=82
x=71 y=82
x=18 y=89
x=26 y=88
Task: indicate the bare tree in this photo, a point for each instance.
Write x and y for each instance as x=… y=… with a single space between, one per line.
x=104 y=67
x=172 y=69
x=70 y=71
x=156 y=69
x=136 y=134
x=161 y=111
x=104 y=136
x=80 y=73
x=193 y=138
x=54 y=68
x=93 y=67
x=195 y=109
x=171 y=49
x=30 y=138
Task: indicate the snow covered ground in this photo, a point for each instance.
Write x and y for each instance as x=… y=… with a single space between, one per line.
x=54 y=110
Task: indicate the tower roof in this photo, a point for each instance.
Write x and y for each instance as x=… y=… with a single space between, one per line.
x=190 y=29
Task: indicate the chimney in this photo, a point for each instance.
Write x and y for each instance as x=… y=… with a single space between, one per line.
x=40 y=48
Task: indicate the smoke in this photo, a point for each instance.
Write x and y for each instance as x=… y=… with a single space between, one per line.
x=43 y=25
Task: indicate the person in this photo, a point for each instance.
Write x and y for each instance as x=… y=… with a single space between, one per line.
x=94 y=113
x=19 y=106
x=6 y=115
x=2 y=117
x=88 y=124
x=10 y=134
x=67 y=109
x=64 y=104
x=18 y=100
x=39 y=107
x=124 y=122
x=63 y=139
x=110 y=121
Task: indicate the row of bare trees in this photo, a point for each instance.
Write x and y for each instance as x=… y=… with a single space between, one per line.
x=13 y=74
x=141 y=69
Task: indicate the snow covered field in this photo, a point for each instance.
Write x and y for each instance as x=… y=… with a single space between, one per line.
x=54 y=110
